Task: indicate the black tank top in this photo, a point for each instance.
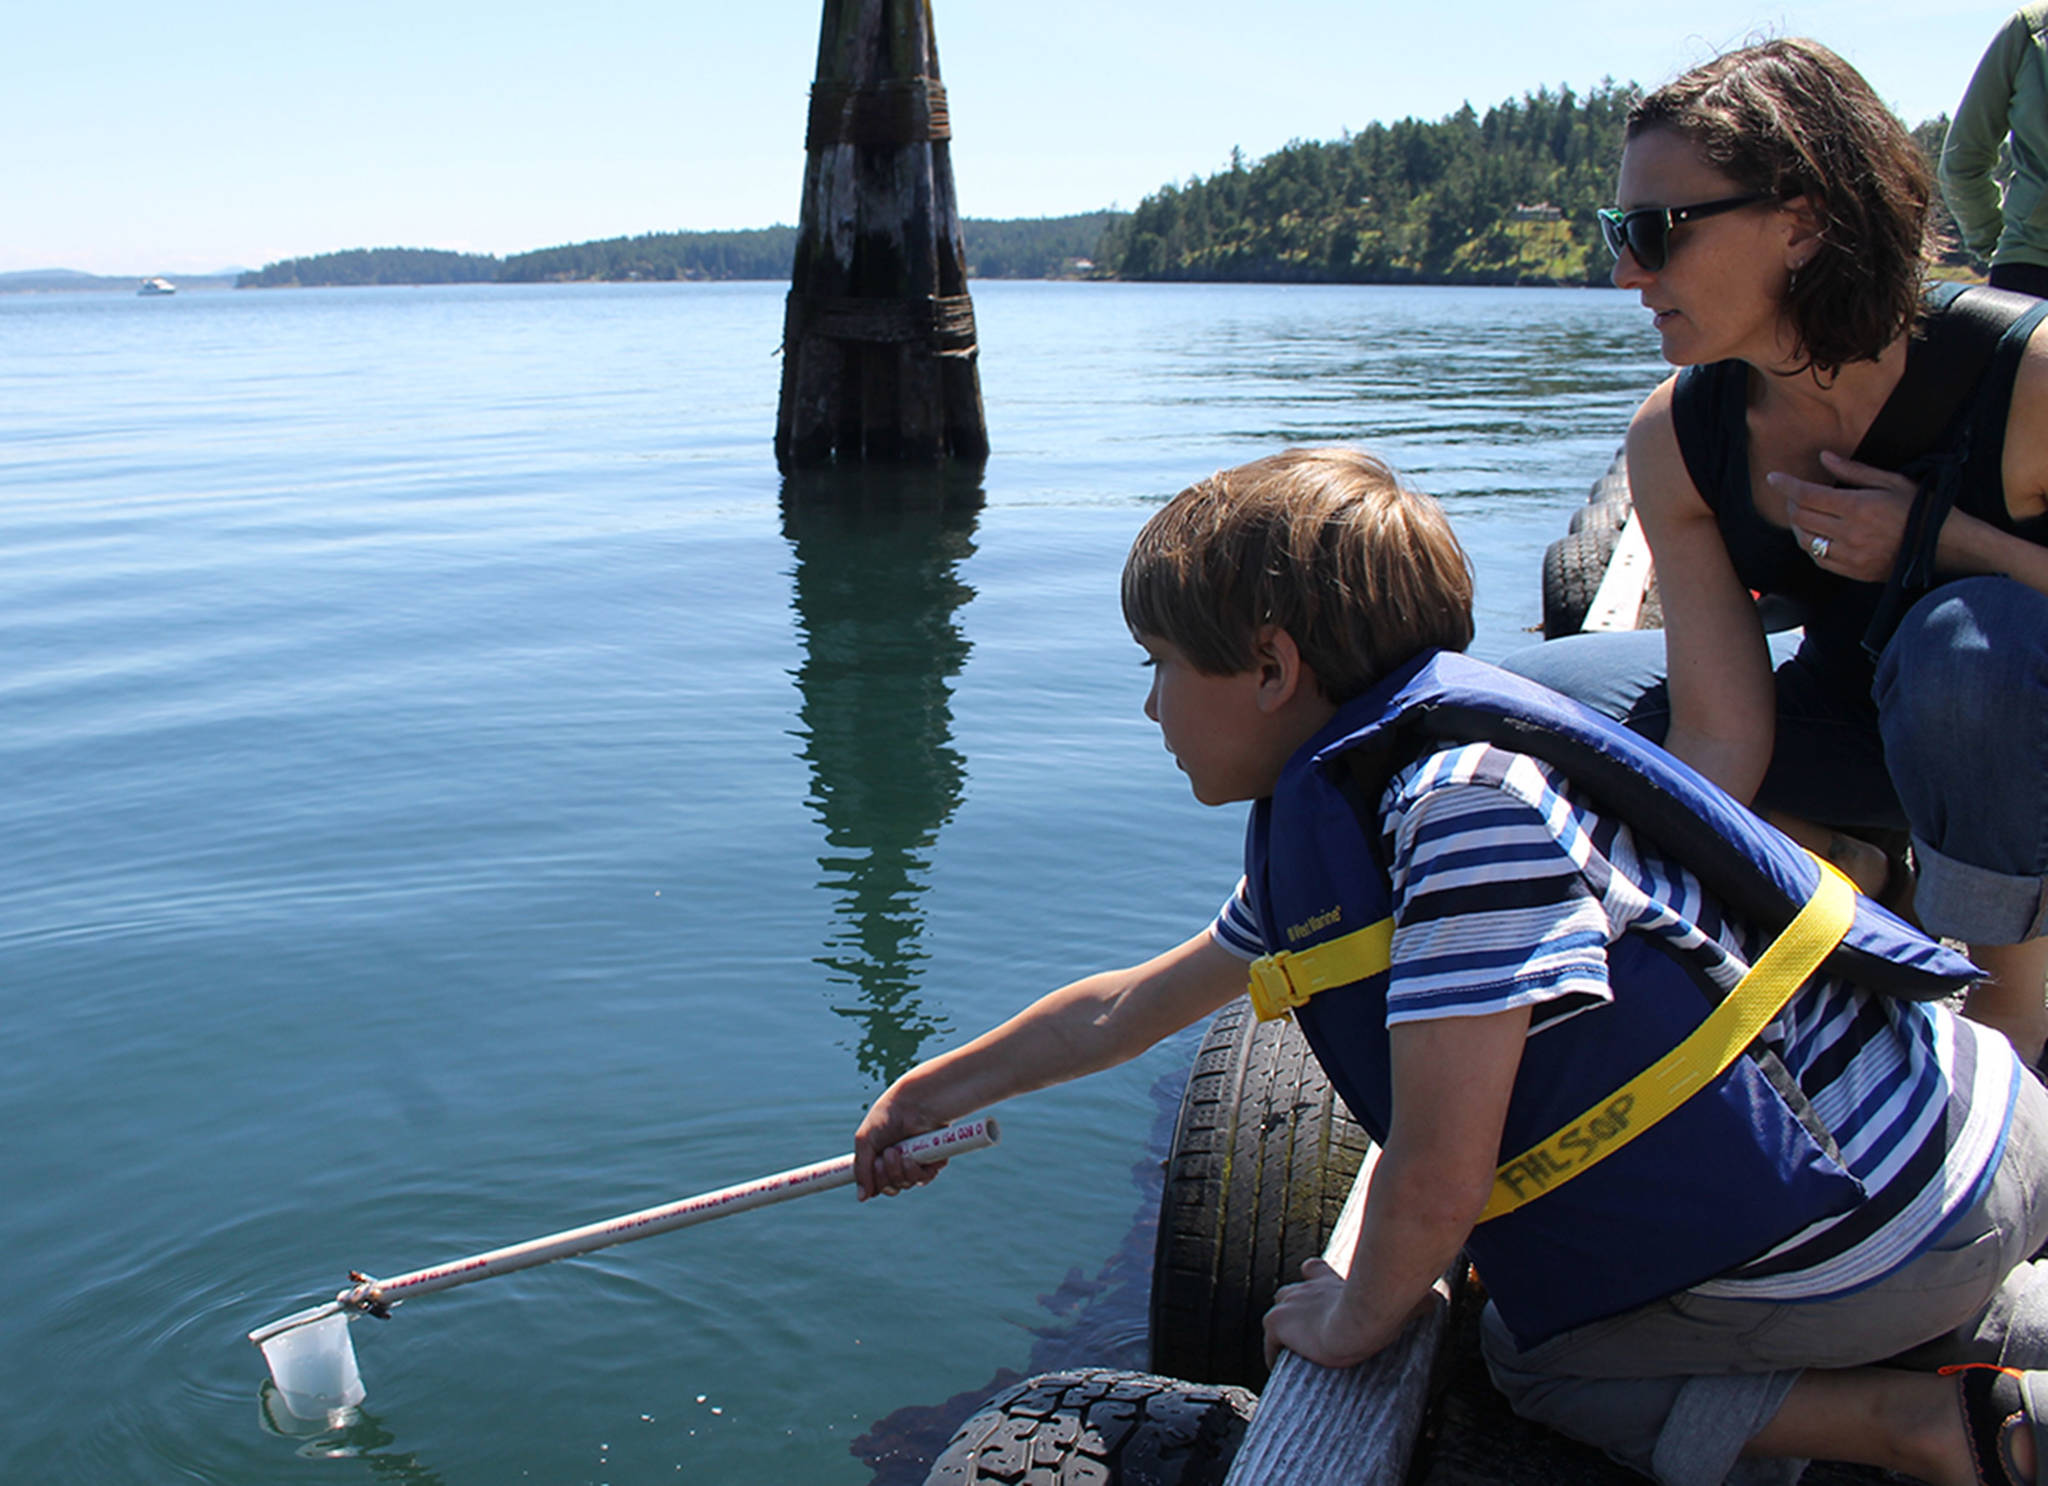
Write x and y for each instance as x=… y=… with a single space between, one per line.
x=1946 y=356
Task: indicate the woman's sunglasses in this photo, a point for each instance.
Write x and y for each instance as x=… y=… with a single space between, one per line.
x=1646 y=231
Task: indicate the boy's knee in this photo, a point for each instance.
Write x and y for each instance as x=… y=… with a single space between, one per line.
x=1622 y=1416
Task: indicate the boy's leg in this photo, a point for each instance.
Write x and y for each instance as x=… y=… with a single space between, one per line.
x=1680 y=1430
x=1684 y=1388
x=1760 y=1429
x=1899 y=1421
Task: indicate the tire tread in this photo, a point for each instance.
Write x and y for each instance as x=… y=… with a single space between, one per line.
x=1098 y=1426
x=1262 y=1159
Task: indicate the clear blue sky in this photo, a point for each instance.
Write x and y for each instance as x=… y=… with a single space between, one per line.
x=189 y=138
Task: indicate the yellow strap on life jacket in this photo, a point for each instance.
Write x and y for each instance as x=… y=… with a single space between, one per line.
x=1696 y=1062
x=1286 y=979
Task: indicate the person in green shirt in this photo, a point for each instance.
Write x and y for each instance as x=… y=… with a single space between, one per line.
x=2007 y=100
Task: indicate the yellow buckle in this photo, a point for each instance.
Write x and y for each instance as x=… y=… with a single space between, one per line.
x=1273 y=991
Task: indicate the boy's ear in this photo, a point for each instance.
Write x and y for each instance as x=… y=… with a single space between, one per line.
x=1282 y=671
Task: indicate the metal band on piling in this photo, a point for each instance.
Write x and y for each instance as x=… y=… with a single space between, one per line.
x=944 y=322
x=903 y=111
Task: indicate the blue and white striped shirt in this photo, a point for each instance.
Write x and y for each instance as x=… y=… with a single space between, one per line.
x=1507 y=890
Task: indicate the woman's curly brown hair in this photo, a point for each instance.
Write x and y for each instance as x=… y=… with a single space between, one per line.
x=1789 y=118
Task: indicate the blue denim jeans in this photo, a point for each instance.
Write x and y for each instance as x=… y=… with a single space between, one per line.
x=1950 y=741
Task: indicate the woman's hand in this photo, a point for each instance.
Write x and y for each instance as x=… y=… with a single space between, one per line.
x=1312 y=1319
x=1853 y=528
x=879 y=1167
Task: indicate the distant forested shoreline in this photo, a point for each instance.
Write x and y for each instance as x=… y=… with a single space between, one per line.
x=1026 y=248
x=1507 y=197
x=1503 y=197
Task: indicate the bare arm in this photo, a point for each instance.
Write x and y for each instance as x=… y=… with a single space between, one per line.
x=1723 y=698
x=1969 y=545
x=1451 y=1083
x=1092 y=1024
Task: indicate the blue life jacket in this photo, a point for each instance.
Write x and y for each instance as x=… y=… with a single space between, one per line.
x=1729 y=1174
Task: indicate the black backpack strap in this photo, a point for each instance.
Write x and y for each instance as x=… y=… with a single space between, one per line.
x=1992 y=328
x=1953 y=346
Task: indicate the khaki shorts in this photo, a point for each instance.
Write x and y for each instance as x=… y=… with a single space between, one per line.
x=1677 y=1388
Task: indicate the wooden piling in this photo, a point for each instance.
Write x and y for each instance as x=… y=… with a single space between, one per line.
x=878 y=338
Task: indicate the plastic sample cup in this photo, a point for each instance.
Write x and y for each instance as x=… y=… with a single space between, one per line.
x=313 y=1362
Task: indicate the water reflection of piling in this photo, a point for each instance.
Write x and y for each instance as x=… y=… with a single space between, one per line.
x=876 y=587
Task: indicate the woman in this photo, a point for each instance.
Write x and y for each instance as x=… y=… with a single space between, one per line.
x=1772 y=219
x=2005 y=109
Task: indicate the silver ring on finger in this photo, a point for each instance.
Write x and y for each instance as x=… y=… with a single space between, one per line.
x=1818 y=546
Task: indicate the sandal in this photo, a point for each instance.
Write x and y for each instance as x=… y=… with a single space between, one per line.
x=1996 y=1401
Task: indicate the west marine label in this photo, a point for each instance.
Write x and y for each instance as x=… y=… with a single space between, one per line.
x=1298 y=932
x=1535 y=1171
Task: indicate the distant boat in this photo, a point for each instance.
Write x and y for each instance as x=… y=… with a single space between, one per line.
x=157 y=286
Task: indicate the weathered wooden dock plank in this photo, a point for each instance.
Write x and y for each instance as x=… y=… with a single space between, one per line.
x=1319 y=1426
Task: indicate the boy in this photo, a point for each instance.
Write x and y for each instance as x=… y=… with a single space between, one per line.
x=1704 y=1184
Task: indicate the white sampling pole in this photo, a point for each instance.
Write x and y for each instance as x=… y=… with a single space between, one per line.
x=309 y=1354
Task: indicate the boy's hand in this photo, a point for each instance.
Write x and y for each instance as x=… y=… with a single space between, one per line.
x=1311 y=1320
x=879 y=1168
x=1316 y=1320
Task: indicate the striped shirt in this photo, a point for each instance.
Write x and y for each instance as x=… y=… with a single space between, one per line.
x=1508 y=888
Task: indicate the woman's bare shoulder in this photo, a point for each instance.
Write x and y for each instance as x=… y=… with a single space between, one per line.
x=2026 y=432
x=1657 y=476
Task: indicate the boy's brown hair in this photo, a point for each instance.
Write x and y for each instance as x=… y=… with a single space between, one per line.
x=1327 y=544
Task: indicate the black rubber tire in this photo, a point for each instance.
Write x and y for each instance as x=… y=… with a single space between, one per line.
x=1603 y=516
x=1572 y=569
x=1611 y=489
x=1098 y=1426
x=1263 y=1157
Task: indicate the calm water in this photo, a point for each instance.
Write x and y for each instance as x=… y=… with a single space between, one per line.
x=453 y=790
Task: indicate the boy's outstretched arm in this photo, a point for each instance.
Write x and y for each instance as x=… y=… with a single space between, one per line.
x=1092 y=1024
x=1451 y=1081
